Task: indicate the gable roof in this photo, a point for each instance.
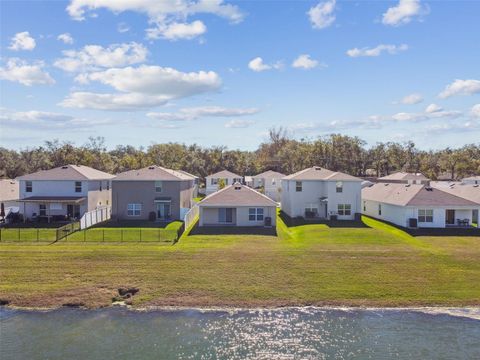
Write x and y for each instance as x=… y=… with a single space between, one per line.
x=188 y=174
x=269 y=174
x=68 y=172
x=319 y=173
x=152 y=173
x=412 y=195
x=237 y=195
x=467 y=191
x=400 y=175
x=224 y=174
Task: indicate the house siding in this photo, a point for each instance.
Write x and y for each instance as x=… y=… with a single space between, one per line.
x=210 y=189
x=209 y=216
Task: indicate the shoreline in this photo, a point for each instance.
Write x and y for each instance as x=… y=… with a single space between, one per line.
x=470 y=312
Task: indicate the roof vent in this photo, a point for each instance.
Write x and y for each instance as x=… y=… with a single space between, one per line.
x=386 y=184
x=476 y=185
x=408 y=185
x=237 y=186
x=65 y=167
x=317 y=168
x=428 y=188
x=151 y=168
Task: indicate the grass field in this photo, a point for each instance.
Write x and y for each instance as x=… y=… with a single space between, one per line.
x=375 y=265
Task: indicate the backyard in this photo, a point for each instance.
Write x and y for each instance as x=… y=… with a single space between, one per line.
x=370 y=265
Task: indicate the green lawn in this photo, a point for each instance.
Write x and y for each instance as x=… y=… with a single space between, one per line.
x=374 y=265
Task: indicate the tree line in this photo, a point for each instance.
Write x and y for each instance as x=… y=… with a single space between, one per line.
x=281 y=152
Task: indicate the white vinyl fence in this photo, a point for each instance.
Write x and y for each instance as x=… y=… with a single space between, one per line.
x=102 y=213
x=191 y=216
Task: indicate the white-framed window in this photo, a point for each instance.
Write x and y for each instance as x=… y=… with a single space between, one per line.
x=42 y=209
x=100 y=185
x=311 y=210
x=425 y=215
x=78 y=186
x=379 y=209
x=214 y=181
x=158 y=186
x=298 y=186
x=364 y=205
x=339 y=186
x=108 y=184
x=134 y=209
x=344 y=209
x=255 y=214
x=28 y=186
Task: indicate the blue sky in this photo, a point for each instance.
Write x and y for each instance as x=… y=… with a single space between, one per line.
x=222 y=73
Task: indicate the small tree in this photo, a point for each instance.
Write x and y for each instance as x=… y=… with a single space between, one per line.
x=221 y=183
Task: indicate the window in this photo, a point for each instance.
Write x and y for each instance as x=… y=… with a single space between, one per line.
x=100 y=186
x=42 y=209
x=225 y=215
x=158 y=186
x=214 y=181
x=379 y=209
x=78 y=186
x=425 y=215
x=134 y=209
x=255 y=214
x=226 y=182
x=364 y=206
x=273 y=182
x=311 y=211
x=339 y=186
x=28 y=186
x=298 y=186
x=344 y=209
x=108 y=185
x=108 y=202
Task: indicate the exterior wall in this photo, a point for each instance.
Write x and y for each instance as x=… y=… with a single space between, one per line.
x=294 y=203
x=143 y=192
x=209 y=216
x=99 y=198
x=28 y=209
x=272 y=187
x=212 y=188
x=53 y=188
x=399 y=215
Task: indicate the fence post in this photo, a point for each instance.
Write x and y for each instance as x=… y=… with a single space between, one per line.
x=140 y=235
x=18 y=234
x=158 y=234
x=103 y=235
x=121 y=237
x=85 y=235
x=0 y=235
x=38 y=234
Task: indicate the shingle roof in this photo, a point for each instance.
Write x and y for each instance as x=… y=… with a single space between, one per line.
x=9 y=190
x=188 y=174
x=152 y=173
x=269 y=174
x=467 y=191
x=237 y=195
x=319 y=173
x=224 y=174
x=412 y=195
x=476 y=177
x=68 y=172
x=404 y=176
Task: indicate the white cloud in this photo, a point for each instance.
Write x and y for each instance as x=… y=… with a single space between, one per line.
x=187 y=114
x=92 y=57
x=322 y=15
x=403 y=12
x=123 y=27
x=238 y=123
x=22 y=41
x=412 y=99
x=142 y=87
x=461 y=87
x=304 y=61
x=177 y=31
x=25 y=73
x=467 y=126
x=258 y=65
x=376 y=51
x=416 y=117
x=66 y=38
x=162 y=14
x=475 y=111
x=432 y=108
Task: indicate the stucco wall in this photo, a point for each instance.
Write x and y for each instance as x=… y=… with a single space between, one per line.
x=209 y=216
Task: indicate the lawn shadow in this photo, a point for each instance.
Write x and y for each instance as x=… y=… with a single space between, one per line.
x=233 y=230
x=132 y=224
x=300 y=221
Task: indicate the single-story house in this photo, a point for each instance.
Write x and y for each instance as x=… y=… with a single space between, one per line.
x=404 y=178
x=212 y=181
x=319 y=193
x=417 y=205
x=237 y=205
x=151 y=193
x=65 y=192
x=271 y=183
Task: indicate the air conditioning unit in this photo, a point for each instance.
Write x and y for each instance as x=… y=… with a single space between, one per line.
x=412 y=223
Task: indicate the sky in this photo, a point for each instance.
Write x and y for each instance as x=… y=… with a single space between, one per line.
x=213 y=72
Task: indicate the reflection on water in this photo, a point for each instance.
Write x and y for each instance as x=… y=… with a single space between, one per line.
x=299 y=333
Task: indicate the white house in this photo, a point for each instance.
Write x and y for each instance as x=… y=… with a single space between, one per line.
x=212 y=181
x=237 y=205
x=319 y=193
x=64 y=192
x=417 y=205
x=404 y=178
x=270 y=182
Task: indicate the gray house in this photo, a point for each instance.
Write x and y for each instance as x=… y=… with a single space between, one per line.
x=164 y=192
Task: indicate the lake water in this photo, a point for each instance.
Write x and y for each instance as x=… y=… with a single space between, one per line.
x=293 y=333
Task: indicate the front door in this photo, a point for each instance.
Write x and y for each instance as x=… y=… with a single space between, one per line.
x=163 y=211
x=450 y=217
x=73 y=211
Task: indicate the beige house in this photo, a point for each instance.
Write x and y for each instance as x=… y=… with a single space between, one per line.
x=404 y=178
x=237 y=205
x=166 y=193
x=212 y=181
x=64 y=192
x=270 y=182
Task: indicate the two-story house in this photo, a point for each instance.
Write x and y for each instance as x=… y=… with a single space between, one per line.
x=154 y=193
x=270 y=182
x=319 y=193
x=65 y=192
x=213 y=181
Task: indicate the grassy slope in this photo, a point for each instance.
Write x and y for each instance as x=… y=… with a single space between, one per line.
x=377 y=265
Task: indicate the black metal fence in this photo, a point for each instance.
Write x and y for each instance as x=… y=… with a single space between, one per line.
x=66 y=230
